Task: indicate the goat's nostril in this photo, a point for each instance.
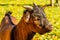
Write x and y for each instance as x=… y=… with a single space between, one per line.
x=38 y=19
x=51 y=26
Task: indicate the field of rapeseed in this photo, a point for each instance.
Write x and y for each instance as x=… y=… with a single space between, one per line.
x=52 y=13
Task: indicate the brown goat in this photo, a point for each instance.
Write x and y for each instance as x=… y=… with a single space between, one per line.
x=7 y=24
x=0 y=25
x=33 y=20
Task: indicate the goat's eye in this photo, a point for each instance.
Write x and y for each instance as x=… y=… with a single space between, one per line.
x=38 y=19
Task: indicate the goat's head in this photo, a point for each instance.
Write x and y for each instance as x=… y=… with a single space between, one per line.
x=36 y=16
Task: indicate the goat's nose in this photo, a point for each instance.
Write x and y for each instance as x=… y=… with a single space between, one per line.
x=49 y=27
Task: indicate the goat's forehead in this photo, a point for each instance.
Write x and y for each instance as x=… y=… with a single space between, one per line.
x=38 y=11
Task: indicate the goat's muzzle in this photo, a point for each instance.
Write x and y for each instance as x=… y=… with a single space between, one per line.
x=49 y=28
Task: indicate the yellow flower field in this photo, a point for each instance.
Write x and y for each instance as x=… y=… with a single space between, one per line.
x=52 y=13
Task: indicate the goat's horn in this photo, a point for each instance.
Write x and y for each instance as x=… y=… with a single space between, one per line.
x=35 y=4
x=28 y=7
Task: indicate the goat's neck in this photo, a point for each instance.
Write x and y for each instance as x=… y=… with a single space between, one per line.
x=24 y=29
x=22 y=22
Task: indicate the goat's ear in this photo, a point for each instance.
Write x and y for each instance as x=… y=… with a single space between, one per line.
x=28 y=7
x=27 y=17
x=6 y=19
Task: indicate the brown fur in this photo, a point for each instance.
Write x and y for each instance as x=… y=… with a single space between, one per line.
x=24 y=30
x=0 y=24
x=6 y=27
x=31 y=22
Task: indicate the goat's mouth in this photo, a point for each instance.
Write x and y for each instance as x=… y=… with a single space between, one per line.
x=47 y=28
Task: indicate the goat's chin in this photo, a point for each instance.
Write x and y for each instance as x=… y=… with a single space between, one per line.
x=44 y=31
x=48 y=30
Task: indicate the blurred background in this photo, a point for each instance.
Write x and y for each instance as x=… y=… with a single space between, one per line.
x=52 y=13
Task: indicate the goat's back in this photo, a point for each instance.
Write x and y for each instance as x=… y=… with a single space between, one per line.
x=6 y=28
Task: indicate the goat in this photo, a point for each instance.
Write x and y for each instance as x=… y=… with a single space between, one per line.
x=0 y=25
x=33 y=20
x=7 y=24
